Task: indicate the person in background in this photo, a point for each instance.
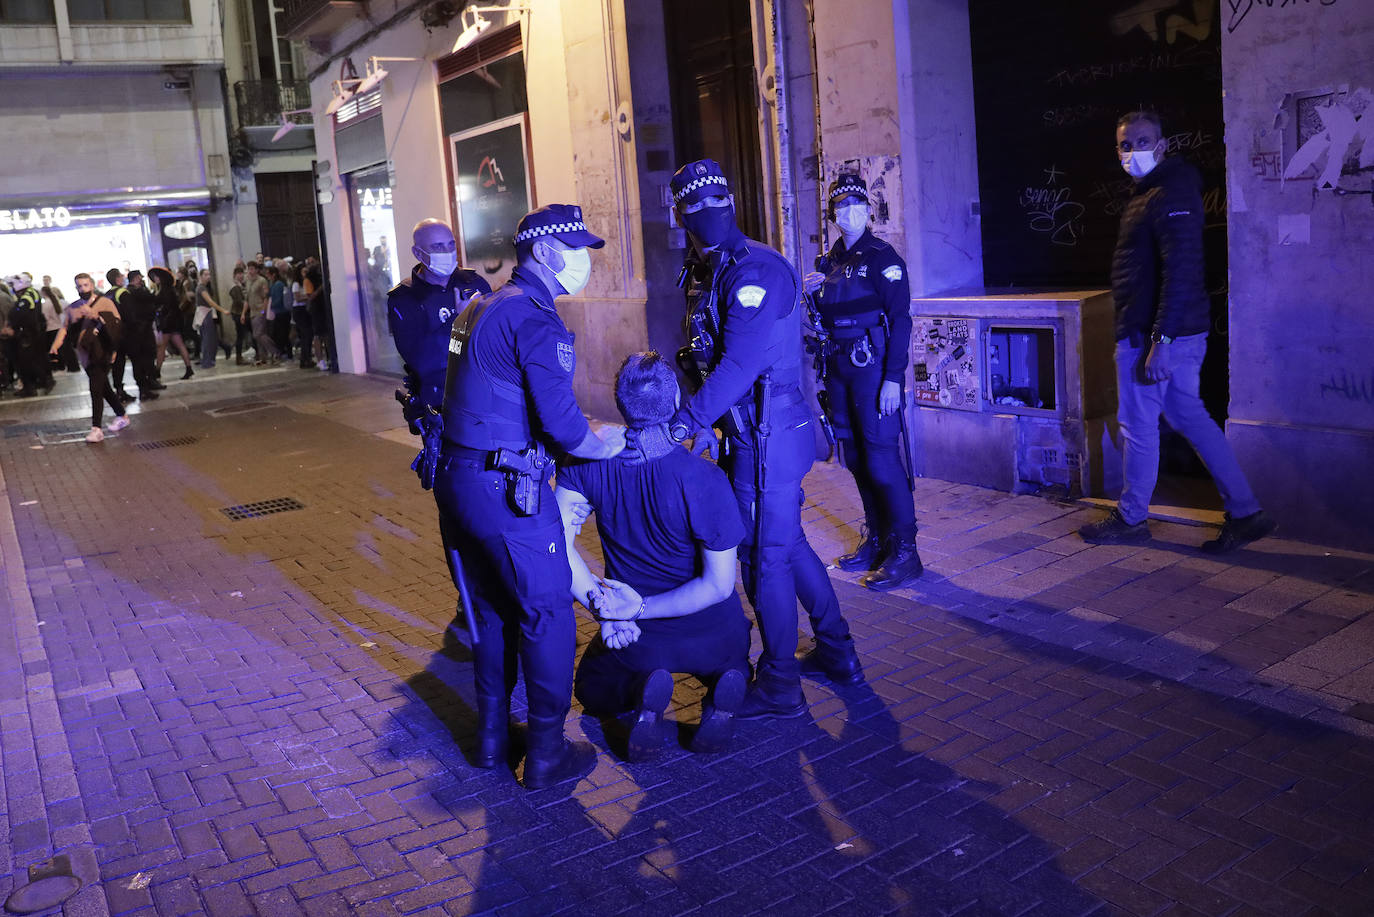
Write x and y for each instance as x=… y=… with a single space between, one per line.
x=238 y=304
x=169 y=317
x=116 y=292
x=207 y=322
x=7 y=348
x=26 y=323
x=52 y=310
x=300 y=316
x=96 y=323
x=259 y=292
x=279 y=276
x=140 y=337
x=321 y=321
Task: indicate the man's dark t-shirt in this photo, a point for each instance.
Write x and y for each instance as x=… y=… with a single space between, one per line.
x=651 y=518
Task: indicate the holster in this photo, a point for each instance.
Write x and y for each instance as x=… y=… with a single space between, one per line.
x=525 y=472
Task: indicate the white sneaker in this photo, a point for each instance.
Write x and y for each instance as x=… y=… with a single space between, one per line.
x=96 y=435
x=119 y=423
x=322 y=366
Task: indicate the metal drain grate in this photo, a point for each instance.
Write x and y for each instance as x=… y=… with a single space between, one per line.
x=164 y=443
x=261 y=508
x=240 y=407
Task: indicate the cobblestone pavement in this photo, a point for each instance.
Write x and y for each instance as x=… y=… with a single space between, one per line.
x=265 y=716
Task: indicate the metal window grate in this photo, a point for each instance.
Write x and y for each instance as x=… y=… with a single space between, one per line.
x=261 y=508
x=164 y=443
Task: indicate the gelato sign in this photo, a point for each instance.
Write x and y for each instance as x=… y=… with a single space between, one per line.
x=35 y=218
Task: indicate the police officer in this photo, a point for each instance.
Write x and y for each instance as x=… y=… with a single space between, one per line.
x=420 y=312
x=139 y=311
x=863 y=295
x=744 y=321
x=30 y=352
x=421 y=308
x=508 y=399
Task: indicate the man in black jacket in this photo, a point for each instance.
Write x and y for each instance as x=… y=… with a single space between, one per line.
x=1162 y=318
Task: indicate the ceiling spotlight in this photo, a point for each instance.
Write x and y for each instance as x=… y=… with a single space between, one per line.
x=342 y=96
x=287 y=125
x=371 y=81
x=469 y=34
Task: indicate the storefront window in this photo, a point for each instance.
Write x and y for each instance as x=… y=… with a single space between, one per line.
x=81 y=248
x=374 y=234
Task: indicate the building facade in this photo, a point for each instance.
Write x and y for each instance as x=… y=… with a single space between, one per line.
x=982 y=127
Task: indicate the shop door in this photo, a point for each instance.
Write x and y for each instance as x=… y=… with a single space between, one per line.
x=369 y=196
x=715 y=96
x=286 y=214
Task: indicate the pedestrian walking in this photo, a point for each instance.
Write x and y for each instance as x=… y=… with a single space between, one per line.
x=169 y=317
x=1163 y=315
x=208 y=312
x=95 y=322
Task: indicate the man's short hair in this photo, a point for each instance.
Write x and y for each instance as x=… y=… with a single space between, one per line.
x=254 y=265
x=272 y=271
x=646 y=389
x=1141 y=114
x=84 y=276
x=238 y=271
x=112 y=275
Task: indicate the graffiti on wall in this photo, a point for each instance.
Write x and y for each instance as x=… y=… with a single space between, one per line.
x=1239 y=10
x=1051 y=209
x=1166 y=23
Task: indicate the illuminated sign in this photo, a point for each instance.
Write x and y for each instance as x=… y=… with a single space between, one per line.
x=35 y=218
x=375 y=197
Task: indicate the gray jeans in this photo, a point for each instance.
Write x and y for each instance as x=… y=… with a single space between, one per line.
x=1139 y=407
x=262 y=340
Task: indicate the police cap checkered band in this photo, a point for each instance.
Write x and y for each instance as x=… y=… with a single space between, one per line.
x=553 y=229
x=700 y=183
x=557 y=221
x=848 y=184
x=702 y=178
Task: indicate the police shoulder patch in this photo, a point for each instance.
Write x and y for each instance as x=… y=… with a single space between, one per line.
x=565 y=356
x=893 y=272
x=750 y=296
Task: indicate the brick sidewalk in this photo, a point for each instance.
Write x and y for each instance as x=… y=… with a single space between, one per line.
x=261 y=716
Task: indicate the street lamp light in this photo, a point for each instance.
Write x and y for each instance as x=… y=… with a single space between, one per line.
x=288 y=126
x=480 y=23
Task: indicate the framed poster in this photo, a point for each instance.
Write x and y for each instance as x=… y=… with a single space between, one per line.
x=491 y=187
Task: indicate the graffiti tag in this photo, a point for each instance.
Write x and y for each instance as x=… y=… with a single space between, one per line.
x=1240 y=9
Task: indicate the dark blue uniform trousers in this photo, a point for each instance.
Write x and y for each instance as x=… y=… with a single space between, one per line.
x=521 y=586
x=787 y=567
x=870 y=444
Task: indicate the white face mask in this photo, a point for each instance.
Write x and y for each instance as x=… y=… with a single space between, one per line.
x=1139 y=163
x=852 y=219
x=443 y=263
x=577 y=270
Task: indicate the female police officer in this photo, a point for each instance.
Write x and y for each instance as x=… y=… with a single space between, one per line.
x=864 y=298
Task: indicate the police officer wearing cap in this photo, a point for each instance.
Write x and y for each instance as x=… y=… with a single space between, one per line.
x=508 y=402
x=744 y=322
x=863 y=295
x=421 y=308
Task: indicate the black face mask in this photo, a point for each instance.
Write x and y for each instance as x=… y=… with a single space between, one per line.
x=710 y=226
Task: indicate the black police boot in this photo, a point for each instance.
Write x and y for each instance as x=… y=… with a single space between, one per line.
x=718 y=714
x=901 y=567
x=772 y=696
x=646 y=740
x=493 y=732
x=147 y=394
x=867 y=556
x=837 y=662
x=551 y=759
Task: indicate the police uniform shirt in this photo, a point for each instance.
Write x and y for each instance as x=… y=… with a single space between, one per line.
x=652 y=517
x=524 y=343
x=419 y=316
x=758 y=289
x=870 y=277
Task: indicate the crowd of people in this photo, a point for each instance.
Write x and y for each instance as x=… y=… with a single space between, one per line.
x=275 y=308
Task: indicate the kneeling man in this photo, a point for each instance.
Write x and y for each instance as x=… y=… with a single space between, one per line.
x=669 y=527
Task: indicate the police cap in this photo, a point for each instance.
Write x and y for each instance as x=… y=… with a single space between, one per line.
x=847 y=185
x=557 y=221
x=697 y=180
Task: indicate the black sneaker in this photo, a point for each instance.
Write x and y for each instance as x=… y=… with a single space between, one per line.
x=718 y=717
x=1115 y=530
x=1237 y=533
x=646 y=740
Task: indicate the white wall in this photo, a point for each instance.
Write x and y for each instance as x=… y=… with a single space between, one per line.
x=201 y=41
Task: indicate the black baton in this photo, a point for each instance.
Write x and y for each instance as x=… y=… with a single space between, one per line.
x=455 y=567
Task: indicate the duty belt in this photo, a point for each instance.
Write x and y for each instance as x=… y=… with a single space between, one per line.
x=844 y=327
x=452 y=452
